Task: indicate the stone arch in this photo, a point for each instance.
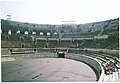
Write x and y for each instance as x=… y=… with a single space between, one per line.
x=22 y=45
x=32 y=38
x=9 y=32
x=7 y=38
x=22 y=38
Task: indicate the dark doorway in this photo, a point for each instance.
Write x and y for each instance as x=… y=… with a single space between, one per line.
x=61 y=54
x=22 y=45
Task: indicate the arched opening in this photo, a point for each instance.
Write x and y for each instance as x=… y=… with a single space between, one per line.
x=7 y=38
x=23 y=45
x=22 y=38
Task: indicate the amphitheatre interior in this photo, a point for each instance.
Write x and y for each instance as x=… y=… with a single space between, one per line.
x=66 y=52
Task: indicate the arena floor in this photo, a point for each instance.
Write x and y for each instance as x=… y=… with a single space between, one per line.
x=46 y=69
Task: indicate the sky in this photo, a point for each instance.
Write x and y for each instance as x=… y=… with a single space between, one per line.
x=56 y=11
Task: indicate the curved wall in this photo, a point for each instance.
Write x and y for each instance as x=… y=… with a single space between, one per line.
x=89 y=61
x=94 y=64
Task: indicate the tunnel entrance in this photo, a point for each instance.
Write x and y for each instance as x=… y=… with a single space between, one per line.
x=61 y=55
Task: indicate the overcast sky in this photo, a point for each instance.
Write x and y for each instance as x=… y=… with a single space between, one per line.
x=55 y=11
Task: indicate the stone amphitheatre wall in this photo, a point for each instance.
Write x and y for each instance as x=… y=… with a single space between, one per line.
x=103 y=35
x=98 y=36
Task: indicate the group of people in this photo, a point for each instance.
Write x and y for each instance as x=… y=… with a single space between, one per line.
x=110 y=66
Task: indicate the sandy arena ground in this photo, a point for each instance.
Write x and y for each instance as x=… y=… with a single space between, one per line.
x=46 y=69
